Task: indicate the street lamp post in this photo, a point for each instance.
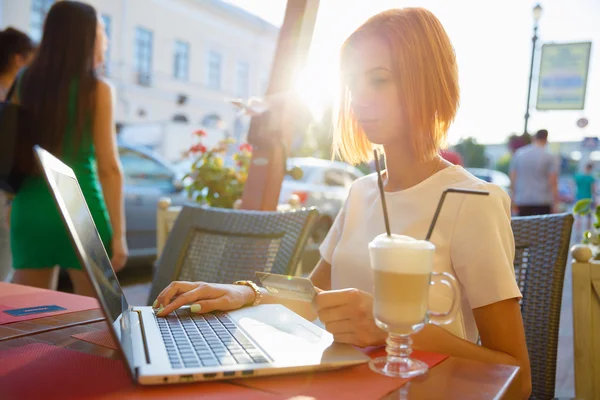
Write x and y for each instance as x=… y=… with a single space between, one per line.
x=537 y=13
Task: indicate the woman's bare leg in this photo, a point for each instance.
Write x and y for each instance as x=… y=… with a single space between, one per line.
x=81 y=284
x=46 y=278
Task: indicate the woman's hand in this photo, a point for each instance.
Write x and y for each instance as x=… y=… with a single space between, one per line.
x=203 y=297
x=348 y=316
x=119 y=253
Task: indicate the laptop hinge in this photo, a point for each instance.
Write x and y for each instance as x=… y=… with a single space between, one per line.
x=144 y=340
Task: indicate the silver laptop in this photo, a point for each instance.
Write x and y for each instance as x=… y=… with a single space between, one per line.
x=184 y=347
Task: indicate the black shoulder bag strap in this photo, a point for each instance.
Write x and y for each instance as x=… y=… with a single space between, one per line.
x=11 y=91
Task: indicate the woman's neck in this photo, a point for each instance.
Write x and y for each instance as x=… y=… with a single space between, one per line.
x=404 y=170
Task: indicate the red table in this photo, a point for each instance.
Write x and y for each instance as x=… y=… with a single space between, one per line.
x=454 y=378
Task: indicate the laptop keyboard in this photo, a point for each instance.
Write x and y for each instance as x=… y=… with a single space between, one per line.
x=206 y=340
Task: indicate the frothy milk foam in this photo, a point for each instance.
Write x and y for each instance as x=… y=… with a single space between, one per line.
x=401 y=270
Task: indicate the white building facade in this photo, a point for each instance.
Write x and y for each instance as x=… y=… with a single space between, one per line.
x=173 y=60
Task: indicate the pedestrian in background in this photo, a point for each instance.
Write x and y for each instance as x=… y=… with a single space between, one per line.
x=534 y=178
x=71 y=111
x=586 y=189
x=16 y=51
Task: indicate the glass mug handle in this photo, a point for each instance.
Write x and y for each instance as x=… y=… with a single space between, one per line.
x=444 y=318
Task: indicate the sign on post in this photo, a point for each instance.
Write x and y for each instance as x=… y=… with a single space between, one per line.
x=563 y=76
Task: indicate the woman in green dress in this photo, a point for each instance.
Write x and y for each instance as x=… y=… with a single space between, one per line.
x=71 y=110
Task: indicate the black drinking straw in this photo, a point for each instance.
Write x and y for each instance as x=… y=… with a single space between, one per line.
x=382 y=194
x=441 y=202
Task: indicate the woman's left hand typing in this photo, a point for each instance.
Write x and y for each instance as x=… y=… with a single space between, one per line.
x=348 y=316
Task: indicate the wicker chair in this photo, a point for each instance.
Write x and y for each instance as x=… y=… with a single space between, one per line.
x=223 y=245
x=542 y=250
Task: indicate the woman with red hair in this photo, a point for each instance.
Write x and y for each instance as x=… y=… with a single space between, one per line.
x=399 y=93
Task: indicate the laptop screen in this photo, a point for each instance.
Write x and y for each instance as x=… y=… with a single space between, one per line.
x=94 y=251
x=89 y=248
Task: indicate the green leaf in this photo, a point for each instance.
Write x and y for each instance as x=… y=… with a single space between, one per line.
x=582 y=207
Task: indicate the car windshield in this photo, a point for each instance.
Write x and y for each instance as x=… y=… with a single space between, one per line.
x=483 y=177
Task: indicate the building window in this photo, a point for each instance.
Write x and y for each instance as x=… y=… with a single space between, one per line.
x=182 y=60
x=108 y=29
x=39 y=9
x=180 y=118
x=214 y=70
x=143 y=55
x=212 y=121
x=242 y=81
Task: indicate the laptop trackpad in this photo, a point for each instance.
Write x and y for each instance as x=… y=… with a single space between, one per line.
x=289 y=343
x=291 y=340
x=296 y=330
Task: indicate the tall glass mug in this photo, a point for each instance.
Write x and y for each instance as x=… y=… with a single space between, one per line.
x=402 y=273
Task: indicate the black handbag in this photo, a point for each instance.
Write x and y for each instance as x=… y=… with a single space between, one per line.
x=16 y=145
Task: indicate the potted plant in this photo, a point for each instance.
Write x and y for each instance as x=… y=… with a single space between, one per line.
x=583 y=208
x=214 y=180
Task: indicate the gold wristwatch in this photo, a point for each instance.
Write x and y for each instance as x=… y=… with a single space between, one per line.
x=254 y=287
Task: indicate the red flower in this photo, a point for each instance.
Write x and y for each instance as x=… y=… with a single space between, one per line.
x=200 y=133
x=198 y=148
x=246 y=147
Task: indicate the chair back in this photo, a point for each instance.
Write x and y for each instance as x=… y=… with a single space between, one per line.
x=222 y=245
x=541 y=253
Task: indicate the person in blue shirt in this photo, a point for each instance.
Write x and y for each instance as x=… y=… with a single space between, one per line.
x=586 y=184
x=586 y=188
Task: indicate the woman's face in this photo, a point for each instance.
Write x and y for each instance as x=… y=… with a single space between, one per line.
x=101 y=44
x=375 y=97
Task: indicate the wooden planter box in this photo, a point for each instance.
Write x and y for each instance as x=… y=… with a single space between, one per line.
x=586 y=323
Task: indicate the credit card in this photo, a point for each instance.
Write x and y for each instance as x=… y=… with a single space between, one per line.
x=287 y=286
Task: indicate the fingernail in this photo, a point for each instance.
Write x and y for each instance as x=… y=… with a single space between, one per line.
x=160 y=309
x=155 y=304
x=195 y=308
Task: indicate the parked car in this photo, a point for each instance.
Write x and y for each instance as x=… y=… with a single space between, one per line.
x=492 y=176
x=324 y=184
x=148 y=178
